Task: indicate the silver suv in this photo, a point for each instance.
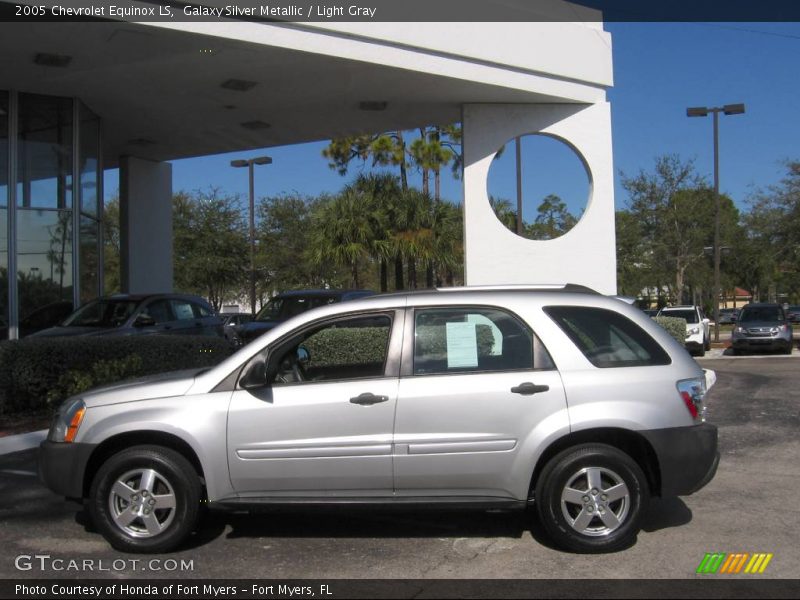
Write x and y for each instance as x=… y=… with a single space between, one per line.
x=558 y=398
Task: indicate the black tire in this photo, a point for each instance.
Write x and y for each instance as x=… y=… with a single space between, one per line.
x=564 y=521
x=707 y=344
x=146 y=476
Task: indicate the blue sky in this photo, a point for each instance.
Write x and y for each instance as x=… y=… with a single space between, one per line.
x=660 y=69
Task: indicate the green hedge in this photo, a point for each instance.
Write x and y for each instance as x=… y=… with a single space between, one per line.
x=39 y=372
x=348 y=346
x=675 y=326
x=432 y=340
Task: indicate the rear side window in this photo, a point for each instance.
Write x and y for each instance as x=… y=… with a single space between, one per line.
x=607 y=338
x=473 y=340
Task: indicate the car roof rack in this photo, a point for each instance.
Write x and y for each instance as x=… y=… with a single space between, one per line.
x=522 y=287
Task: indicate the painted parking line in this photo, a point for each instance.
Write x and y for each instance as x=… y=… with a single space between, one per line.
x=23 y=441
x=726 y=353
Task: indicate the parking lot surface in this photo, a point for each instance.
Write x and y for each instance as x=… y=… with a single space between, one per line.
x=753 y=505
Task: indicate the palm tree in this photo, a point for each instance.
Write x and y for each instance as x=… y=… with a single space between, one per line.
x=342 y=232
x=380 y=193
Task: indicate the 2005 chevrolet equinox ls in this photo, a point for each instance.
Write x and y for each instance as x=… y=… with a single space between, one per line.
x=554 y=397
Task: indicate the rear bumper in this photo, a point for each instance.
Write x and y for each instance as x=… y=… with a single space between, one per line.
x=62 y=467
x=687 y=456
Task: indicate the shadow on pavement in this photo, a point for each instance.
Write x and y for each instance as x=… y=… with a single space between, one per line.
x=664 y=513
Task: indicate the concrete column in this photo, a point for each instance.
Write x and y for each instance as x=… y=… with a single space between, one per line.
x=586 y=254
x=145 y=189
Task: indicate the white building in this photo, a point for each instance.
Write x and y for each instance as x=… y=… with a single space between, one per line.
x=80 y=97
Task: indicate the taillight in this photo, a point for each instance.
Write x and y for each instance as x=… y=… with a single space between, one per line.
x=692 y=392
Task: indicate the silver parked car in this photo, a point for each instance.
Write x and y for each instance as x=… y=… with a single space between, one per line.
x=553 y=397
x=762 y=326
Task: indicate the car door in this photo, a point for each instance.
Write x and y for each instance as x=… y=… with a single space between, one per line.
x=322 y=423
x=475 y=383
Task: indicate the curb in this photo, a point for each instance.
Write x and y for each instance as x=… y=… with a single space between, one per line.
x=23 y=441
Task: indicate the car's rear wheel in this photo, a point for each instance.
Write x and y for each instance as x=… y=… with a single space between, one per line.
x=145 y=499
x=592 y=499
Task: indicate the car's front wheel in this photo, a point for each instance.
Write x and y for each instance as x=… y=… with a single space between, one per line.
x=592 y=499
x=145 y=499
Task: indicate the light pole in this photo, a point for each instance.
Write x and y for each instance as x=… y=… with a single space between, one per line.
x=250 y=163
x=702 y=111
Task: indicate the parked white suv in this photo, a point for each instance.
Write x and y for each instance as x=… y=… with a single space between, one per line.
x=554 y=397
x=698 y=336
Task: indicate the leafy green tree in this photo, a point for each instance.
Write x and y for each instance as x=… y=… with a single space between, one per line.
x=553 y=219
x=283 y=233
x=675 y=211
x=211 y=249
x=772 y=251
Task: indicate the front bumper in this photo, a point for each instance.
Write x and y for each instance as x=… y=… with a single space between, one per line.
x=687 y=457
x=761 y=343
x=62 y=467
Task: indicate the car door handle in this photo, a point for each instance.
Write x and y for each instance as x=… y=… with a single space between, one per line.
x=528 y=389
x=368 y=399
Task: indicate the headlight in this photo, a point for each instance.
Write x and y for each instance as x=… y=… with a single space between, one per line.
x=694 y=331
x=739 y=330
x=67 y=421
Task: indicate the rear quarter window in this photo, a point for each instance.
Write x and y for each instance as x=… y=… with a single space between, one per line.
x=606 y=338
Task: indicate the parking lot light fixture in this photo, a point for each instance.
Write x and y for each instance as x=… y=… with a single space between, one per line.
x=250 y=163
x=702 y=111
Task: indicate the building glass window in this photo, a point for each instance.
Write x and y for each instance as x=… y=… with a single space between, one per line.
x=89 y=259
x=44 y=146
x=89 y=136
x=44 y=258
x=4 y=116
x=89 y=178
x=51 y=204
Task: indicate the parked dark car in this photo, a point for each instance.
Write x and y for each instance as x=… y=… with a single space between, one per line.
x=140 y=314
x=762 y=326
x=286 y=305
x=793 y=313
x=41 y=318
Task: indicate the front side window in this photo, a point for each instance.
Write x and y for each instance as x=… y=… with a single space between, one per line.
x=607 y=338
x=453 y=340
x=351 y=348
x=159 y=311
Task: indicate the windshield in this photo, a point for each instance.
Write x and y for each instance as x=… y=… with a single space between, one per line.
x=280 y=309
x=688 y=314
x=761 y=313
x=102 y=313
x=271 y=310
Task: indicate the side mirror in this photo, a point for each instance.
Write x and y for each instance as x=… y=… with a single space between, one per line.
x=255 y=375
x=144 y=321
x=706 y=321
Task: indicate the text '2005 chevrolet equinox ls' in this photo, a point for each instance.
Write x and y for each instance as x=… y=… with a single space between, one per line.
x=551 y=396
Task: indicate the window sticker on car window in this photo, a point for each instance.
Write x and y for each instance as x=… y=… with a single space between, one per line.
x=462 y=345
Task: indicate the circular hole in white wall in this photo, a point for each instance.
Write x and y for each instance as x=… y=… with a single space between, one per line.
x=554 y=186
